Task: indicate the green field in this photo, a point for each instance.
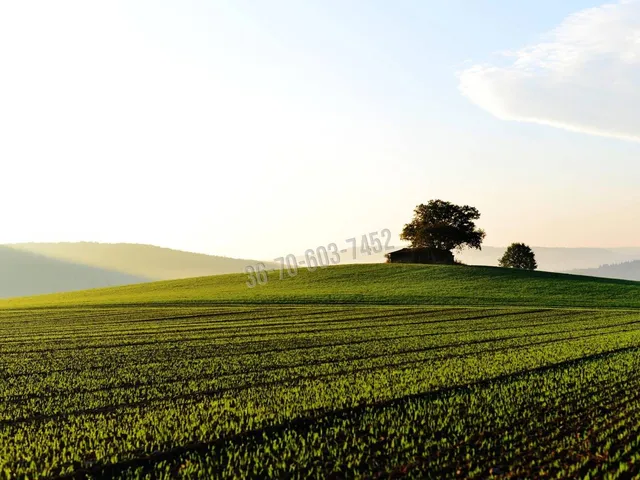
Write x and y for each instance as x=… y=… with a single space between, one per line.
x=371 y=371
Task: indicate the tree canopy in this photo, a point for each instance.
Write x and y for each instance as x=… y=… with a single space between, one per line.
x=519 y=255
x=444 y=226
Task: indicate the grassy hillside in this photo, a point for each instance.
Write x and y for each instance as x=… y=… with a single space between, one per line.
x=377 y=283
x=146 y=261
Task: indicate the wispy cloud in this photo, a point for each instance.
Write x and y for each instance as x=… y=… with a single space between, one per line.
x=583 y=76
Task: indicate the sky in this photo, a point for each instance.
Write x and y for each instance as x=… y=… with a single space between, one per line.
x=259 y=129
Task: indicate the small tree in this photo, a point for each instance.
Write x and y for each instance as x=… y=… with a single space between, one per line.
x=519 y=255
x=443 y=226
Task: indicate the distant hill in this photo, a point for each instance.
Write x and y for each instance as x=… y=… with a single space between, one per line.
x=34 y=268
x=625 y=271
x=26 y=273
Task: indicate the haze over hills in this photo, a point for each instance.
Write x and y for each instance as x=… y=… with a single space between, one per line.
x=27 y=273
x=35 y=268
x=554 y=259
x=550 y=259
x=625 y=270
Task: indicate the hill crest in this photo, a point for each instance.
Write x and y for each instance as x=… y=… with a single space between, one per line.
x=370 y=284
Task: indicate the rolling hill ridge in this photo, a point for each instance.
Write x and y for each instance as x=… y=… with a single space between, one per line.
x=369 y=283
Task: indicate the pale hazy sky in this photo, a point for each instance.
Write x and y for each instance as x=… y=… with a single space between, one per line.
x=258 y=129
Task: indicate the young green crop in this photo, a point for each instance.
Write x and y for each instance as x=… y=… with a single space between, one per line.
x=317 y=391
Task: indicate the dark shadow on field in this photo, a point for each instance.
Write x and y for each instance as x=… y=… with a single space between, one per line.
x=324 y=418
x=25 y=273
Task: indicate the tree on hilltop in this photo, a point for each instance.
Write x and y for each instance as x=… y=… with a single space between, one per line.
x=444 y=226
x=519 y=255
